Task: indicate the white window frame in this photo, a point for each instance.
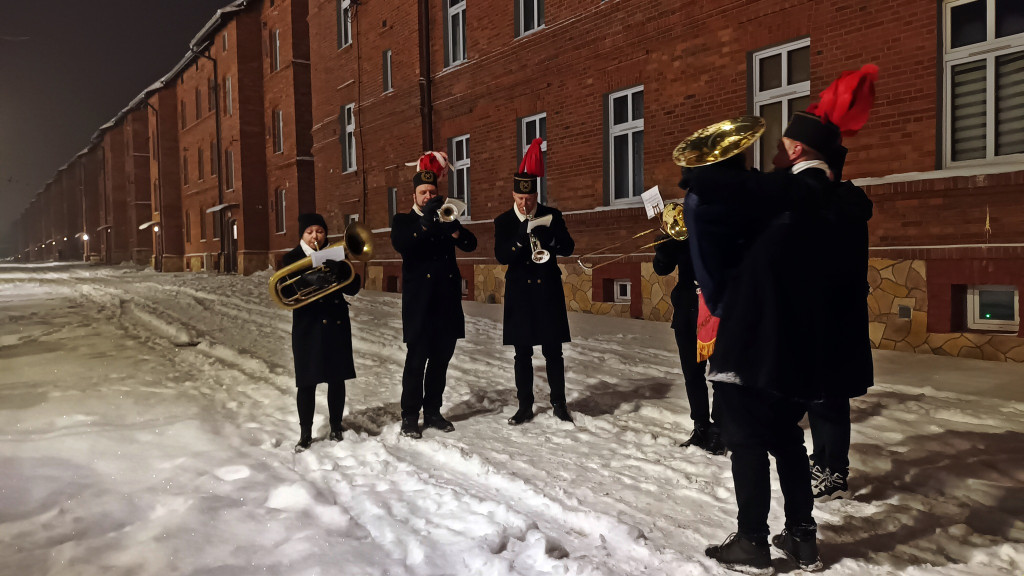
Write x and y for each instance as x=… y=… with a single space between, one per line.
x=541 y=132
x=281 y=216
x=386 y=72
x=455 y=32
x=344 y=23
x=538 y=17
x=975 y=322
x=988 y=51
x=783 y=94
x=348 y=143
x=275 y=50
x=460 y=166
x=622 y=283
x=392 y=202
x=224 y=45
x=631 y=128
x=229 y=101
x=278 y=131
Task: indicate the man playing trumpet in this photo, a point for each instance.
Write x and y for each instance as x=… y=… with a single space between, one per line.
x=534 y=297
x=432 y=317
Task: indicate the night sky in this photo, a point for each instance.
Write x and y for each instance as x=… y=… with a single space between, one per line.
x=69 y=66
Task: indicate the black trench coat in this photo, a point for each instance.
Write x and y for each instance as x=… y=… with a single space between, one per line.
x=534 y=297
x=322 y=334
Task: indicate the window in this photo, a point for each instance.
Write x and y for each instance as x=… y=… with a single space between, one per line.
x=229 y=105
x=621 y=290
x=454 y=32
x=626 y=142
x=348 y=139
x=458 y=180
x=199 y=103
x=184 y=169
x=392 y=202
x=277 y=131
x=202 y=165
x=387 y=70
x=229 y=169
x=535 y=127
x=275 y=50
x=984 y=80
x=993 y=308
x=344 y=23
x=224 y=42
x=216 y=216
x=281 y=213
x=211 y=95
x=781 y=86
x=188 y=226
x=529 y=16
x=202 y=224
x=350 y=218
x=184 y=122
x=213 y=158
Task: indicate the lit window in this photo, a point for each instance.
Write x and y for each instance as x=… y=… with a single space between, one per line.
x=781 y=86
x=626 y=143
x=993 y=308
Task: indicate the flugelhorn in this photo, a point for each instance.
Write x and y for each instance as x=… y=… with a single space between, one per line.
x=452 y=210
x=672 y=226
x=300 y=283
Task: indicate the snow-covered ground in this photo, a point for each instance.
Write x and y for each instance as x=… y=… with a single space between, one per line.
x=147 y=423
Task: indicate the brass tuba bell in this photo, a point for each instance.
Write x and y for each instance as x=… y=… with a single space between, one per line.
x=299 y=283
x=719 y=141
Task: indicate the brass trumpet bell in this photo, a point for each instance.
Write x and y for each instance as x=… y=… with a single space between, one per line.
x=300 y=283
x=719 y=141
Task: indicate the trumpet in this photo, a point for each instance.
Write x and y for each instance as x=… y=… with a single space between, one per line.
x=300 y=283
x=451 y=210
x=672 y=226
x=540 y=255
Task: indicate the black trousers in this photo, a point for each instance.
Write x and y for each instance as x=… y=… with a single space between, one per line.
x=425 y=375
x=693 y=371
x=756 y=423
x=830 y=432
x=305 y=401
x=524 y=373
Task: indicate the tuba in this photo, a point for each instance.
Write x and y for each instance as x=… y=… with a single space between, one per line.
x=300 y=283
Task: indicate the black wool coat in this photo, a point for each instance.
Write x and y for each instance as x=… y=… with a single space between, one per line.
x=786 y=255
x=534 y=297
x=668 y=256
x=322 y=334
x=431 y=281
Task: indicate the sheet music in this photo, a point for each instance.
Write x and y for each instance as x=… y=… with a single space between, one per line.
x=653 y=202
x=332 y=253
x=542 y=221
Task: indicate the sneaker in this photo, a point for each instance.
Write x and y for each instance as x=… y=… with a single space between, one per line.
x=817 y=476
x=831 y=487
x=804 y=552
x=741 y=555
x=521 y=416
x=437 y=421
x=561 y=412
x=411 y=428
x=305 y=441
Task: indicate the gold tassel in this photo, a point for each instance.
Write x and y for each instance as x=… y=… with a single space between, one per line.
x=704 y=350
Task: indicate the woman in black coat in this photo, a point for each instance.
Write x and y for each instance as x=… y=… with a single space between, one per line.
x=321 y=340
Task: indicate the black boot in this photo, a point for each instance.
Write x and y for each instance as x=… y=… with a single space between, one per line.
x=523 y=415
x=411 y=427
x=742 y=555
x=715 y=445
x=561 y=412
x=698 y=437
x=803 y=550
x=305 y=439
x=437 y=421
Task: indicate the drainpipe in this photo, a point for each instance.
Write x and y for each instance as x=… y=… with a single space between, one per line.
x=220 y=171
x=426 y=104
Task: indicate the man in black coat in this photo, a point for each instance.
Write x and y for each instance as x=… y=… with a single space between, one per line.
x=534 y=298
x=321 y=336
x=782 y=341
x=675 y=255
x=432 y=317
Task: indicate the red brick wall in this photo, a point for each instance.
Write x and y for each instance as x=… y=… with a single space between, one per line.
x=165 y=179
x=115 y=205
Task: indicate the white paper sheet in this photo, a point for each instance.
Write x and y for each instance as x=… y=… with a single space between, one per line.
x=332 y=253
x=653 y=202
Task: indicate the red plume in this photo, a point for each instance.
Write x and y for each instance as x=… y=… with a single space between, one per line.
x=436 y=162
x=848 y=101
x=533 y=160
